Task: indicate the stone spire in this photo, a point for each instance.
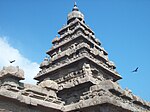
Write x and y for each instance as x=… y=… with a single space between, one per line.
x=75 y=14
x=76 y=44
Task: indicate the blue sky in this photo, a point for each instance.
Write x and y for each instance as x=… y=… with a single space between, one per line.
x=123 y=27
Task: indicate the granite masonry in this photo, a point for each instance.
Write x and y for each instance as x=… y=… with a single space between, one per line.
x=77 y=76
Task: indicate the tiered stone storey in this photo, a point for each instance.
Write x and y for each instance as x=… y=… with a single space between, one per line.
x=78 y=77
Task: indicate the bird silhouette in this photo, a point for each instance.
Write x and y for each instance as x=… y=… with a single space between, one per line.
x=12 y=61
x=135 y=69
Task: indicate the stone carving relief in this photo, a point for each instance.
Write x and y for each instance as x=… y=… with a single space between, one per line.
x=87 y=69
x=72 y=79
x=45 y=63
x=111 y=64
x=49 y=84
x=55 y=41
x=69 y=51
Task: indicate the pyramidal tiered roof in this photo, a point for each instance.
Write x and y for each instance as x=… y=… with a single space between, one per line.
x=77 y=76
x=77 y=45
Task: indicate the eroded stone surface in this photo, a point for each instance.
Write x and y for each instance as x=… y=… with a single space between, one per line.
x=12 y=71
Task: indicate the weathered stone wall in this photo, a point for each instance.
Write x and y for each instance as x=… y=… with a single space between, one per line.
x=8 y=105
x=104 y=108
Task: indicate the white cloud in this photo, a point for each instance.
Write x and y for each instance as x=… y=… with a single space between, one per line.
x=7 y=53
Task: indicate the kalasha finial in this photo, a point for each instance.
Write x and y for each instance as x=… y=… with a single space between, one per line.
x=75 y=8
x=75 y=4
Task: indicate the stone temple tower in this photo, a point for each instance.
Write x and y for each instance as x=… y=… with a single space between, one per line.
x=77 y=60
x=77 y=76
x=81 y=68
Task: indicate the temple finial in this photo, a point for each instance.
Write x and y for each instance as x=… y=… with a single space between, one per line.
x=75 y=8
x=75 y=4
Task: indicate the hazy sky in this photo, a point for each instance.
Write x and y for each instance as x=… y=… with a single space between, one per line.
x=27 y=28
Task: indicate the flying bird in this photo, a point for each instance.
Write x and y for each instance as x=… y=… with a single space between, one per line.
x=135 y=69
x=12 y=61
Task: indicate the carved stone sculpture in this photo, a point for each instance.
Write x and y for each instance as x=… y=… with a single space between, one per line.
x=49 y=84
x=87 y=69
